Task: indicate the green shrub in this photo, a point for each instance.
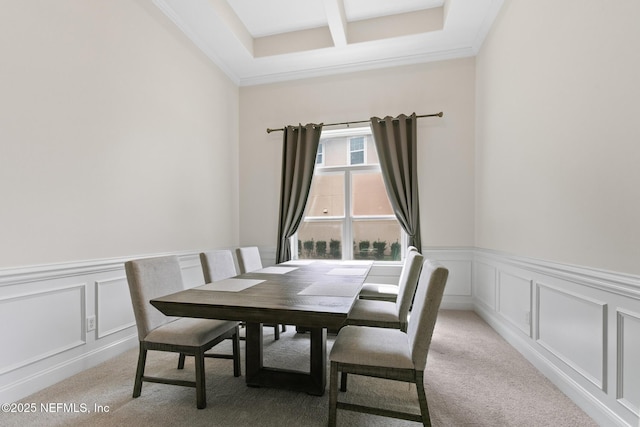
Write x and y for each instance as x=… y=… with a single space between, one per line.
x=308 y=247
x=334 y=249
x=364 y=248
x=321 y=248
x=379 y=249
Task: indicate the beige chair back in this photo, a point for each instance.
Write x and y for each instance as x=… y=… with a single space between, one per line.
x=248 y=259
x=426 y=304
x=217 y=265
x=407 y=284
x=150 y=278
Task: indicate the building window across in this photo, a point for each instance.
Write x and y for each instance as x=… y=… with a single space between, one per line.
x=320 y=155
x=348 y=214
x=356 y=150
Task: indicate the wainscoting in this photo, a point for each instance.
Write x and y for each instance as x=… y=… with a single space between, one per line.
x=578 y=326
x=58 y=320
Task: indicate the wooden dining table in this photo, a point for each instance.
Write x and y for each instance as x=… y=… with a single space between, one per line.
x=313 y=295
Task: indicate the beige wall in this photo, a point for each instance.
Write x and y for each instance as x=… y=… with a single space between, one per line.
x=445 y=145
x=117 y=137
x=558 y=134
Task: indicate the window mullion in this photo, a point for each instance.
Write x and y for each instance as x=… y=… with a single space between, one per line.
x=347 y=247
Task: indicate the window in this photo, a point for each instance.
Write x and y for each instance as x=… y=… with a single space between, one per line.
x=348 y=214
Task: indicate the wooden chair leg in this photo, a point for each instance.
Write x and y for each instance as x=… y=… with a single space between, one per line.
x=343 y=381
x=284 y=328
x=142 y=359
x=201 y=391
x=276 y=332
x=422 y=399
x=333 y=393
x=237 y=369
x=181 y=361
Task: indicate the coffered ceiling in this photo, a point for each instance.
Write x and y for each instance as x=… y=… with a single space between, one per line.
x=263 y=41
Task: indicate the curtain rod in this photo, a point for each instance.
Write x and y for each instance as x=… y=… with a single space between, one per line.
x=440 y=114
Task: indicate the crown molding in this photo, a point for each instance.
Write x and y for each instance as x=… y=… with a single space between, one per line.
x=197 y=40
x=443 y=55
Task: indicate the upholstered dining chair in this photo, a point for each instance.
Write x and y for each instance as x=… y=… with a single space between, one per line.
x=382 y=291
x=154 y=277
x=386 y=314
x=249 y=260
x=390 y=353
x=217 y=265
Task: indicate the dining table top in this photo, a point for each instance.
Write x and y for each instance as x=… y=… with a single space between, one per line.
x=308 y=293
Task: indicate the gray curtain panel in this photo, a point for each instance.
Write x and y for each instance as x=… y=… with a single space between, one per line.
x=396 y=142
x=299 y=149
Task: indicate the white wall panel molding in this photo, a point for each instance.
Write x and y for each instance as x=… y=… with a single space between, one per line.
x=597 y=408
x=44 y=311
x=515 y=301
x=459 y=280
x=39 y=325
x=584 y=331
x=458 y=294
x=114 y=312
x=485 y=278
x=500 y=287
x=628 y=368
x=574 y=329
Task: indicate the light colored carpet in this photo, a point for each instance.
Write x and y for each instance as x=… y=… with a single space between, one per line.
x=473 y=378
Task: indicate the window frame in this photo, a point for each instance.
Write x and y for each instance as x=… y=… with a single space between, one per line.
x=347 y=170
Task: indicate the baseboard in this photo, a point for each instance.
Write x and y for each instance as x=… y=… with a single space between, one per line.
x=456 y=302
x=592 y=406
x=577 y=325
x=53 y=374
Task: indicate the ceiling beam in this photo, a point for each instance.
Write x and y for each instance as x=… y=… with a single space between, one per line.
x=337 y=20
x=230 y=20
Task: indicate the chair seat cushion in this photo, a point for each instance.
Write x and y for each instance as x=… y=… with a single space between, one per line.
x=379 y=292
x=363 y=345
x=374 y=313
x=190 y=332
